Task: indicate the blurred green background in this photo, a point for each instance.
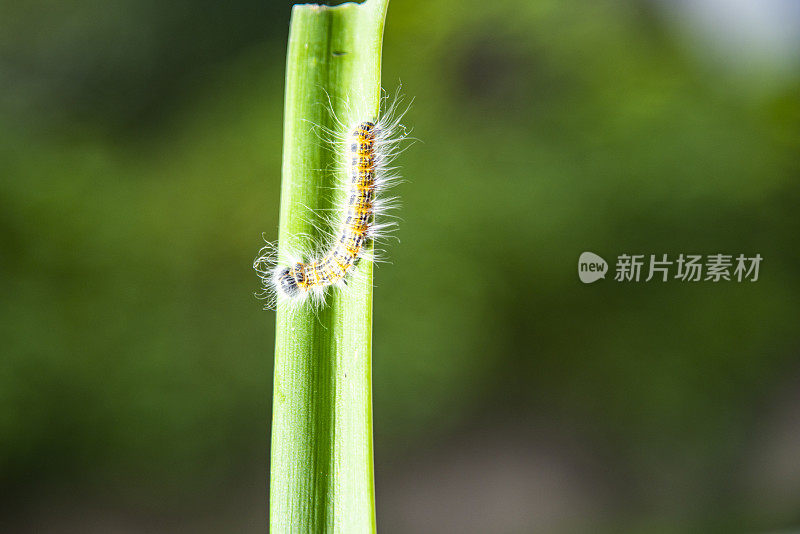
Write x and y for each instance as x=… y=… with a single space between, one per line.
x=140 y=148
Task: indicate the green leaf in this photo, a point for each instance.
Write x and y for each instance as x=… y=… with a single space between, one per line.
x=321 y=476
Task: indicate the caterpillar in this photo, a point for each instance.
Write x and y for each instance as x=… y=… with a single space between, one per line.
x=365 y=150
x=292 y=281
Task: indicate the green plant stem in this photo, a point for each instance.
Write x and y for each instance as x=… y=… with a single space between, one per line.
x=321 y=475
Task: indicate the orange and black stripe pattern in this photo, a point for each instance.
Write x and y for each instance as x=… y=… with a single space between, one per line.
x=345 y=252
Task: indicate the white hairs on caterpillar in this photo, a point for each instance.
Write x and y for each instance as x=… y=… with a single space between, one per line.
x=364 y=151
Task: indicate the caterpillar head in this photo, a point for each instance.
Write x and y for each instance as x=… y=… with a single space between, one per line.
x=286 y=282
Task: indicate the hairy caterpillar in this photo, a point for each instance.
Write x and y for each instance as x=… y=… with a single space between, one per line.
x=365 y=150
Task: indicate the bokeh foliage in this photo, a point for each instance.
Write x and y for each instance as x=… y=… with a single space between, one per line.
x=139 y=164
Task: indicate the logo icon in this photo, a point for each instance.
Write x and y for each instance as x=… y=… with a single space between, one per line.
x=591 y=267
